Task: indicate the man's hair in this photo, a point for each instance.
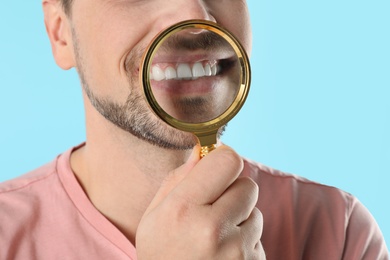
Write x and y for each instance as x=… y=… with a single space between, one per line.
x=67 y=6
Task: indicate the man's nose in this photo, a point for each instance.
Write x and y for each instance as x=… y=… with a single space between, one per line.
x=181 y=10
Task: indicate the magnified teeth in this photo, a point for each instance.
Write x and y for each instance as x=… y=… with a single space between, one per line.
x=198 y=70
x=214 y=69
x=170 y=73
x=158 y=74
x=207 y=70
x=184 y=71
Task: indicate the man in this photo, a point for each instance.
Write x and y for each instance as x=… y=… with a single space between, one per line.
x=137 y=188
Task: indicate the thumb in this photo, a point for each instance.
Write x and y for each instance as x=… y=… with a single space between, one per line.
x=174 y=178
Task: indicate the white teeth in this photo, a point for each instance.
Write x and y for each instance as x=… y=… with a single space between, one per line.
x=170 y=73
x=207 y=70
x=214 y=69
x=158 y=74
x=184 y=71
x=198 y=70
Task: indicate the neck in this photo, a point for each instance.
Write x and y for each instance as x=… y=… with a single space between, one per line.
x=121 y=173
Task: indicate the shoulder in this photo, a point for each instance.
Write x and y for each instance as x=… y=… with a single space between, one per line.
x=274 y=182
x=41 y=182
x=27 y=180
x=33 y=210
x=20 y=197
x=314 y=215
x=22 y=201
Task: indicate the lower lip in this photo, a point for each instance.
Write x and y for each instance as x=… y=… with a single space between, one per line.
x=188 y=87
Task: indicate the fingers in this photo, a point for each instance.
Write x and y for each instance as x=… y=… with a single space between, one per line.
x=250 y=233
x=238 y=201
x=245 y=243
x=252 y=229
x=210 y=177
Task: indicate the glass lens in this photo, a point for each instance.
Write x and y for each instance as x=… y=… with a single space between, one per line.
x=195 y=75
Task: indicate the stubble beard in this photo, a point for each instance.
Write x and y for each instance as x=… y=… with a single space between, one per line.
x=133 y=116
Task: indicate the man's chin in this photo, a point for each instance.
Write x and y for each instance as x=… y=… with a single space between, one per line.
x=172 y=139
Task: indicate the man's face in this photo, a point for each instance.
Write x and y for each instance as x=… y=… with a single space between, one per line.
x=110 y=37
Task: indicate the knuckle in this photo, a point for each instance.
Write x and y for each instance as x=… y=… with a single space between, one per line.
x=257 y=215
x=237 y=251
x=212 y=237
x=211 y=234
x=181 y=211
x=259 y=252
x=251 y=185
x=248 y=188
x=257 y=222
x=230 y=159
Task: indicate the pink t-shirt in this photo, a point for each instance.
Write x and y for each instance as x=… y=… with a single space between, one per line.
x=45 y=214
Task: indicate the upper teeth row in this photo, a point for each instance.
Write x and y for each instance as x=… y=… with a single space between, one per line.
x=183 y=71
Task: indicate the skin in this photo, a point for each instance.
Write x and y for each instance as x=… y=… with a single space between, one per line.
x=202 y=206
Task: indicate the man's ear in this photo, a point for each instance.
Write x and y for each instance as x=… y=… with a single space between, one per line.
x=59 y=32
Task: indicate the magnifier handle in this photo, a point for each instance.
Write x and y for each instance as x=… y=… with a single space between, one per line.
x=206 y=149
x=208 y=142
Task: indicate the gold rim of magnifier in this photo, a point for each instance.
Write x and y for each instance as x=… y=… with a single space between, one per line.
x=211 y=126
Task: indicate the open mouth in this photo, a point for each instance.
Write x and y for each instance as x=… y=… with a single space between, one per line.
x=194 y=90
x=190 y=71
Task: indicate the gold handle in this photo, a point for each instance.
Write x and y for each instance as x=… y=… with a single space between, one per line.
x=206 y=149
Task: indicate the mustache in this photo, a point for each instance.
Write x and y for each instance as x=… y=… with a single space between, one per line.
x=182 y=41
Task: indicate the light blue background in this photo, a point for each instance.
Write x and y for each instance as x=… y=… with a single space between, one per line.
x=319 y=104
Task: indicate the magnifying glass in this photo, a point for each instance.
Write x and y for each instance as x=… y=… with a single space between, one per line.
x=196 y=77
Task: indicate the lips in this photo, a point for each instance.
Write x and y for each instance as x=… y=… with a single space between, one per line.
x=180 y=71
